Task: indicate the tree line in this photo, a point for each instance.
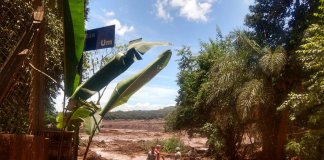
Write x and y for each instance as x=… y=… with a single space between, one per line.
x=139 y=114
x=259 y=93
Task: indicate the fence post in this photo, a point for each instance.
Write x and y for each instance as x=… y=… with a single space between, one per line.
x=37 y=102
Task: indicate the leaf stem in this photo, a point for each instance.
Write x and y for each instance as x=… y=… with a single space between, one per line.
x=91 y=137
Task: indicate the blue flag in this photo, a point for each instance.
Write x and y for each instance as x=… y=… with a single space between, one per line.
x=100 y=38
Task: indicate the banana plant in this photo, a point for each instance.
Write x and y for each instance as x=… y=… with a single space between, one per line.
x=126 y=88
x=79 y=110
x=89 y=113
x=116 y=66
x=123 y=91
x=73 y=11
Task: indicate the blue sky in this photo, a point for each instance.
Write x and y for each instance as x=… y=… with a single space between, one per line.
x=180 y=22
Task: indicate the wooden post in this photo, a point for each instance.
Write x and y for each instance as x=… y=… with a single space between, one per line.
x=37 y=102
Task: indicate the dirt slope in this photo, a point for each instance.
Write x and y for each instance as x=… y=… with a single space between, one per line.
x=127 y=139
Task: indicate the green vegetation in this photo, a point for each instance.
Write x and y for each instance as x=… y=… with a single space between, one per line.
x=10 y=31
x=54 y=59
x=22 y=11
x=139 y=114
x=78 y=110
x=95 y=60
x=73 y=12
x=306 y=105
x=169 y=145
x=265 y=84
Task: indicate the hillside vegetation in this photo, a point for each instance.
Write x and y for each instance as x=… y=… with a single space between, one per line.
x=265 y=84
x=140 y=114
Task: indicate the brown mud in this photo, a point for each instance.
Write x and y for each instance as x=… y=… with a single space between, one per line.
x=128 y=139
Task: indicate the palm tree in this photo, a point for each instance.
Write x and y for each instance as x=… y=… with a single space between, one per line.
x=273 y=63
x=248 y=79
x=257 y=101
x=237 y=88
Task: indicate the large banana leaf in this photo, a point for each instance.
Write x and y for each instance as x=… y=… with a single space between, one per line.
x=80 y=113
x=126 y=88
x=91 y=122
x=116 y=66
x=73 y=11
x=143 y=47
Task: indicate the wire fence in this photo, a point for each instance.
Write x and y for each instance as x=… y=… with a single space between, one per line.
x=16 y=18
x=29 y=42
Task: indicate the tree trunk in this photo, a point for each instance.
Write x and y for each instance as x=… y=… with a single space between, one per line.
x=282 y=135
x=274 y=135
x=230 y=144
x=268 y=132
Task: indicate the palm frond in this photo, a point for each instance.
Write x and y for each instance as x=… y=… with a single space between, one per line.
x=243 y=39
x=273 y=63
x=253 y=94
x=226 y=77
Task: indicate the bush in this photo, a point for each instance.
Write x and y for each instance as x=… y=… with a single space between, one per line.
x=168 y=145
x=170 y=121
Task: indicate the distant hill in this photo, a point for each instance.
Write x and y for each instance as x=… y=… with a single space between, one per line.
x=140 y=114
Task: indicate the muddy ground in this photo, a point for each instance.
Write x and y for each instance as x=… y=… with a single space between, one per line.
x=128 y=139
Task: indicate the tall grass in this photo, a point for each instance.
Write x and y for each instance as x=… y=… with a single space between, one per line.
x=168 y=145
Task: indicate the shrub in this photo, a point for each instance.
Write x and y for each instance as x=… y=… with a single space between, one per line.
x=168 y=145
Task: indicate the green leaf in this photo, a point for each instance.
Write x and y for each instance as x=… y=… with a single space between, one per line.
x=126 y=88
x=90 y=123
x=73 y=11
x=143 y=47
x=273 y=63
x=116 y=66
x=81 y=113
x=59 y=120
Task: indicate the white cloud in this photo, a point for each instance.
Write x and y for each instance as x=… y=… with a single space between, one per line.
x=161 y=10
x=193 y=10
x=166 y=77
x=141 y=106
x=154 y=95
x=120 y=29
x=107 y=13
x=248 y=2
x=147 y=98
x=110 y=13
x=105 y=17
